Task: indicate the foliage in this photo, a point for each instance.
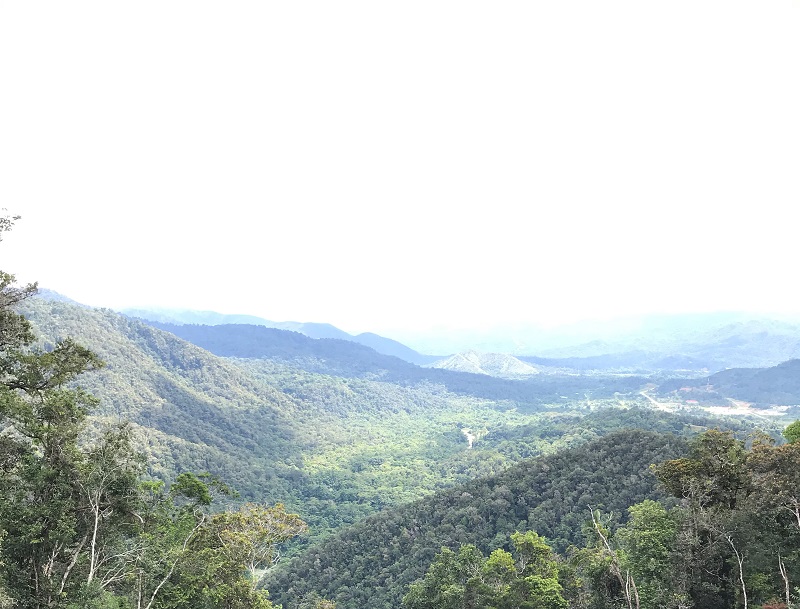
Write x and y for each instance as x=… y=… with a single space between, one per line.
x=79 y=526
x=739 y=537
x=373 y=561
x=65 y=506
x=528 y=579
x=792 y=432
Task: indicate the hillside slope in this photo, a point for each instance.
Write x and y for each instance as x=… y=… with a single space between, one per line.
x=332 y=449
x=196 y=411
x=370 y=564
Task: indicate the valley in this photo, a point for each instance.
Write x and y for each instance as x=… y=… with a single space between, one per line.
x=359 y=444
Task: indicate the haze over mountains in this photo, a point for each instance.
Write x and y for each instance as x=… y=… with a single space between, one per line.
x=482 y=404
x=656 y=333
x=683 y=345
x=700 y=342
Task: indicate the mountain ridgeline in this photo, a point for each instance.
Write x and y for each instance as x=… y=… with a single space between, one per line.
x=347 y=359
x=778 y=385
x=381 y=344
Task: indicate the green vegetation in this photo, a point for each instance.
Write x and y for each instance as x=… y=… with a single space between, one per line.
x=80 y=525
x=792 y=432
x=373 y=561
x=528 y=578
x=726 y=534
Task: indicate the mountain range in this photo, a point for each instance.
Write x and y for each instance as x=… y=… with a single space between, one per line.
x=703 y=343
x=351 y=360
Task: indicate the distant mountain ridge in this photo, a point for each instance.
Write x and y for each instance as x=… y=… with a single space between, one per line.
x=702 y=341
x=352 y=360
x=381 y=344
x=778 y=385
x=697 y=343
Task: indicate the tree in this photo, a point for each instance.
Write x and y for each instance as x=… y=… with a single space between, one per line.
x=739 y=534
x=608 y=560
x=792 y=432
x=714 y=483
x=649 y=547
x=467 y=580
x=192 y=557
x=314 y=601
x=776 y=501
x=252 y=535
x=80 y=529
x=451 y=582
x=42 y=505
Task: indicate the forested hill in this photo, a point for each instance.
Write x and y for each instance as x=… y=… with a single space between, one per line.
x=350 y=360
x=198 y=412
x=371 y=563
x=326 y=355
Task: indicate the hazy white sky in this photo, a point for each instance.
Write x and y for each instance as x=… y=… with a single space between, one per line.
x=396 y=166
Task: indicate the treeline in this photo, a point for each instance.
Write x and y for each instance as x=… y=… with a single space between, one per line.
x=558 y=431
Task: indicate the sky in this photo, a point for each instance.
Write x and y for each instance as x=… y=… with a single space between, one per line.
x=397 y=167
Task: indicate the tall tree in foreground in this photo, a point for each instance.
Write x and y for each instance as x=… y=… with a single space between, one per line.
x=64 y=506
x=740 y=519
x=79 y=529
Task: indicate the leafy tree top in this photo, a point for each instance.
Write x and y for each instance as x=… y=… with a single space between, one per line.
x=792 y=432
